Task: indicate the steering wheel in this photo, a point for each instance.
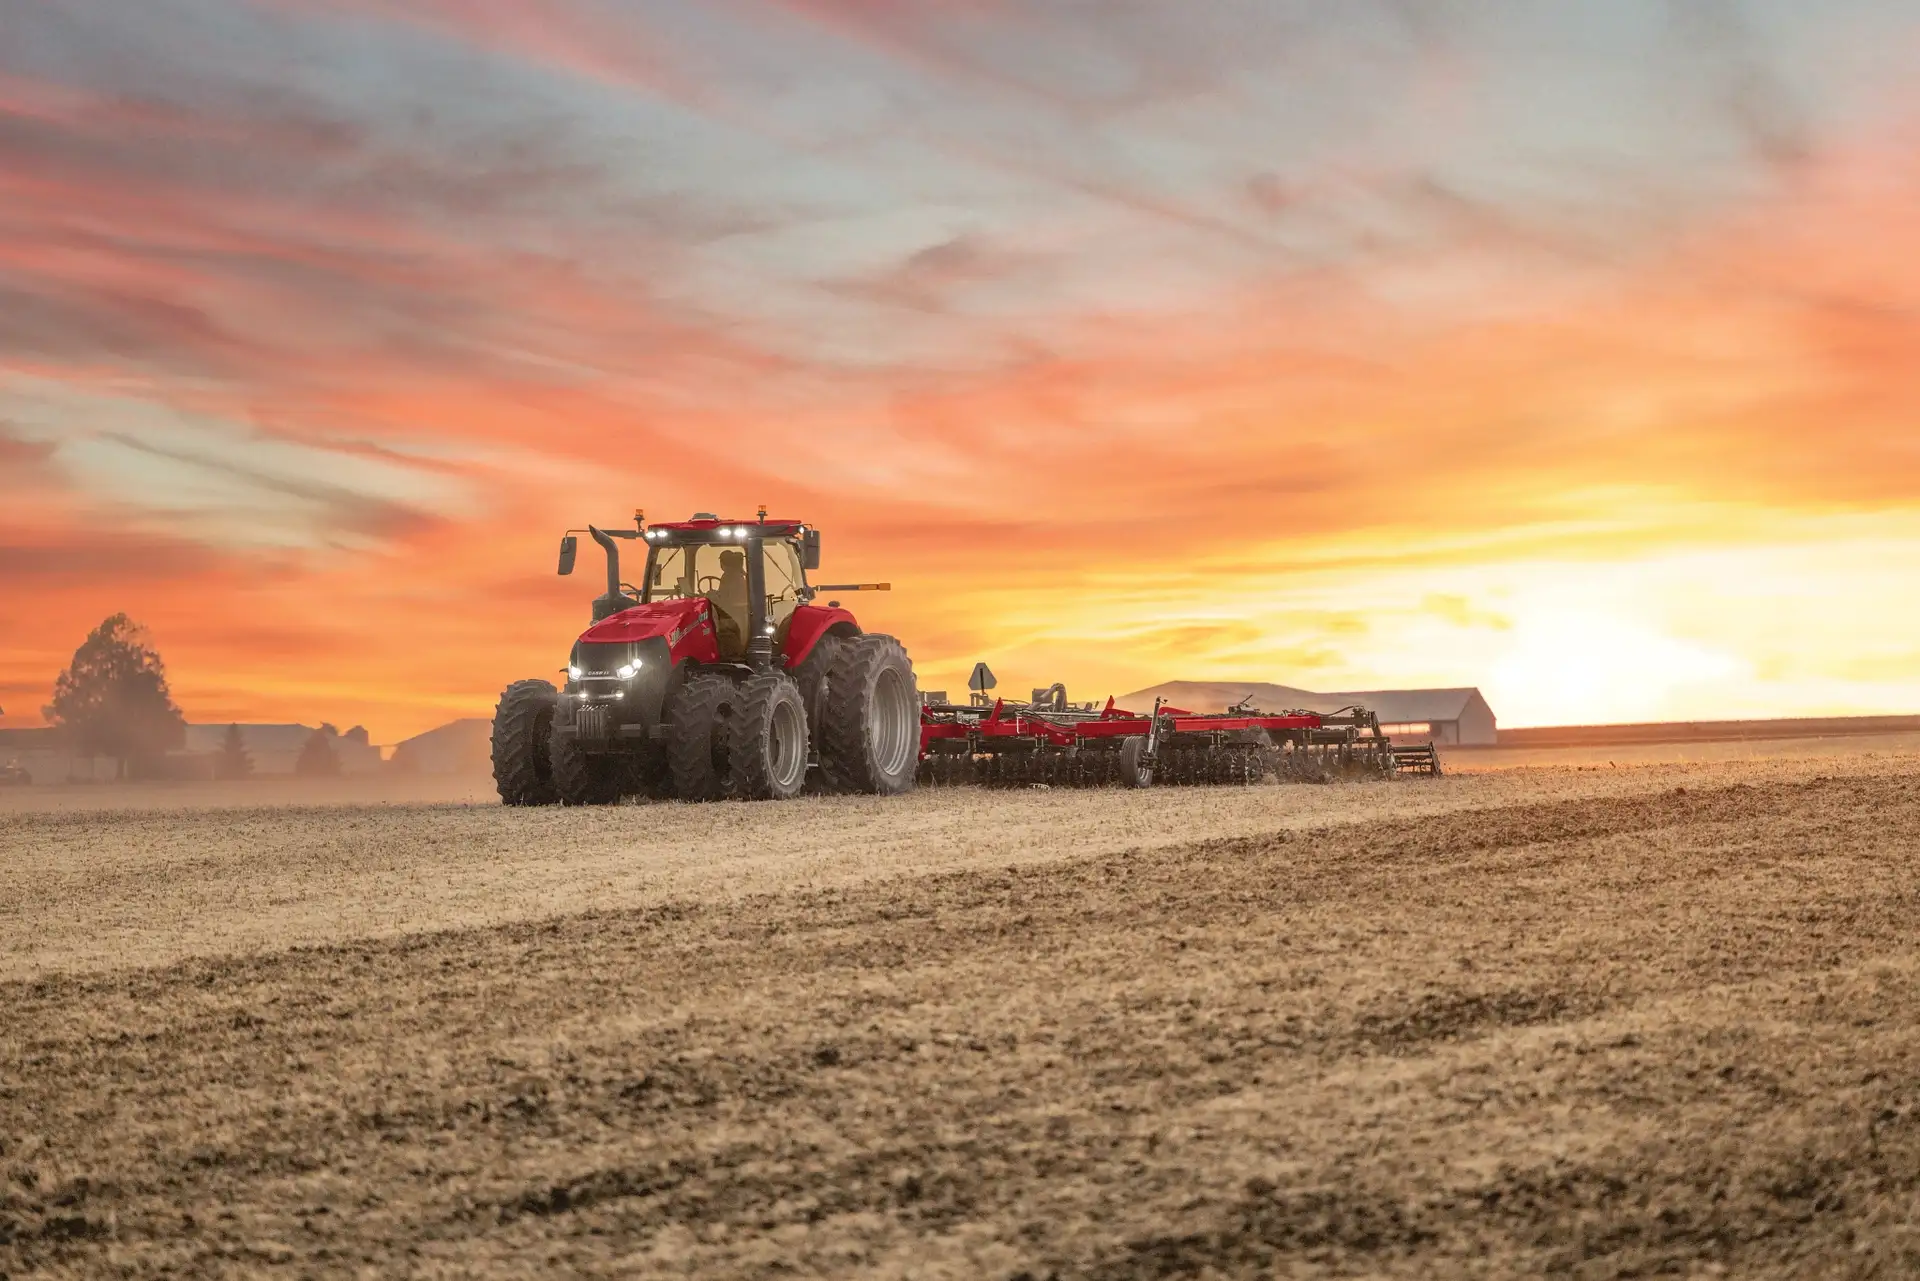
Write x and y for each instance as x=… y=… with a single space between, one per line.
x=702 y=587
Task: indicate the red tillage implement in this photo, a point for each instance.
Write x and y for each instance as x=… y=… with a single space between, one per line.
x=1056 y=743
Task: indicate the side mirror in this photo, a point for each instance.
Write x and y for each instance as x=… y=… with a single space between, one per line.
x=810 y=549
x=569 y=547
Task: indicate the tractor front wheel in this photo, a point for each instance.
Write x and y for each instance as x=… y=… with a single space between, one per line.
x=582 y=779
x=767 y=739
x=522 y=727
x=697 y=712
x=869 y=731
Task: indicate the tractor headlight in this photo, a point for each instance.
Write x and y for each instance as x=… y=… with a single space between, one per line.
x=627 y=670
x=573 y=671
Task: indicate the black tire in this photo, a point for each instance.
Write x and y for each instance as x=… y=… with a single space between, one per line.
x=767 y=739
x=696 y=713
x=648 y=775
x=811 y=676
x=869 y=730
x=1134 y=770
x=522 y=728
x=581 y=779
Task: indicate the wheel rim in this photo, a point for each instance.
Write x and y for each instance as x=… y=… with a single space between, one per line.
x=786 y=744
x=890 y=733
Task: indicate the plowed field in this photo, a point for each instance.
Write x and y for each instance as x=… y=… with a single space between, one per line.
x=1589 y=1023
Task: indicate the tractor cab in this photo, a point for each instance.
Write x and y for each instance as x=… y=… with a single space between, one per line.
x=753 y=574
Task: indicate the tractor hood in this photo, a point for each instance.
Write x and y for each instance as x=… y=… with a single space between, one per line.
x=665 y=618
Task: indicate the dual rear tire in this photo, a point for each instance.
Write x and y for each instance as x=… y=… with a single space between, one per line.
x=745 y=739
x=869 y=719
x=854 y=700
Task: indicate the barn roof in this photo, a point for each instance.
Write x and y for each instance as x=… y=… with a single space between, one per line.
x=458 y=732
x=1401 y=705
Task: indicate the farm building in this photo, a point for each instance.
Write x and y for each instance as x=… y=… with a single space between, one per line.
x=458 y=747
x=1446 y=716
x=272 y=749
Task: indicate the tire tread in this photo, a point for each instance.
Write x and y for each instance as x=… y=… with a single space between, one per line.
x=521 y=772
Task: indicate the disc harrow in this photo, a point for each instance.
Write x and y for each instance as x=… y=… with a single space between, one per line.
x=1052 y=743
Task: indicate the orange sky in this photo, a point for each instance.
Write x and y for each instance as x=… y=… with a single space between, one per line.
x=1574 y=359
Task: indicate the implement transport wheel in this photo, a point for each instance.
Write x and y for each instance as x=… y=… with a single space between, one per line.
x=869 y=734
x=696 y=713
x=582 y=779
x=767 y=739
x=522 y=727
x=1134 y=770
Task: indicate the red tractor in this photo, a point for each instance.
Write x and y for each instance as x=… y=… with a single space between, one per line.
x=717 y=677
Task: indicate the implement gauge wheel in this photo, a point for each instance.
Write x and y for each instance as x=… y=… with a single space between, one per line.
x=869 y=731
x=767 y=739
x=522 y=727
x=1134 y=770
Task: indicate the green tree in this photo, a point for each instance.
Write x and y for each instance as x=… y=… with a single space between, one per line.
x=317 y=758
x=233 y=761
x=112 y=700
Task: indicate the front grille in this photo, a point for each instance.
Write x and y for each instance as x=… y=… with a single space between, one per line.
x=599 y=658
x=590 y=722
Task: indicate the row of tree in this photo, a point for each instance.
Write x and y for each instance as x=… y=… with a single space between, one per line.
x=317 y=759
x=113 y=701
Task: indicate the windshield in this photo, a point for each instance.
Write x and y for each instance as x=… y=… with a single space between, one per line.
x=678 y=573
x=784 y=580
x=719 y=573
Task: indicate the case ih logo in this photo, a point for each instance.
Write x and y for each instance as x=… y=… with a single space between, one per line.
x=674 y=638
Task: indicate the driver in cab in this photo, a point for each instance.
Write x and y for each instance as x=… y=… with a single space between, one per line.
x=730 y=597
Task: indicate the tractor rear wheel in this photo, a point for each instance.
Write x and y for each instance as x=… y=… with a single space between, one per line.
x=811 y=676
x=582 y=779
x=522 y=728
x=696 y=712
x=767 y=739
x=869 y=731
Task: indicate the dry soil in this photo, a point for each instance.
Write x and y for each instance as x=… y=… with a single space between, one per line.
x=1571 y=1022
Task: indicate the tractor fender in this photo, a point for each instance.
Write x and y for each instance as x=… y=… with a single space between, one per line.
x=685 y=625
x=809 y=623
